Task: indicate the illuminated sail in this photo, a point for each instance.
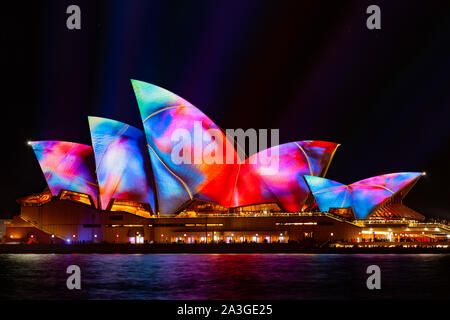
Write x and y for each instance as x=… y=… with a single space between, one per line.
x=363 y=196
x=171 y=123
x=122 y=163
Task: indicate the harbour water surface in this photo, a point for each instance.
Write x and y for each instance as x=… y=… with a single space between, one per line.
x=224 y=276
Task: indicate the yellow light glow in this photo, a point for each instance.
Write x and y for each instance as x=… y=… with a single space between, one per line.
x=376 y=232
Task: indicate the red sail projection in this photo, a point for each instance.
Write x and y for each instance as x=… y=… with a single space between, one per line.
x=278 y=177
x=164 y=114
x=231 y=185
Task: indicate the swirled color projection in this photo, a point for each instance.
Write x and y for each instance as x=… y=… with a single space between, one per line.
x=187 y=150
x=122 y=163
x=276 y=174
x=243 y=182
x=363 y=196
x=67 y=166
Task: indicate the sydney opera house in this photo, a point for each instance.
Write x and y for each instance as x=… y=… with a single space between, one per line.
x=126 y=188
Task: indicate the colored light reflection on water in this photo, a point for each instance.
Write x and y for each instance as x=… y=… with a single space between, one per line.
x=224 y=276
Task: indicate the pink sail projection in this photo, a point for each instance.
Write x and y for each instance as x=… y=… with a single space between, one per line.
x=67 y=166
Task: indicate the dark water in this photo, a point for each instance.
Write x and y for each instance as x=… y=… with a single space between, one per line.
x=224 y=276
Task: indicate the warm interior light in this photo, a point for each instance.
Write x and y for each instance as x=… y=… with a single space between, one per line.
x=75 y=196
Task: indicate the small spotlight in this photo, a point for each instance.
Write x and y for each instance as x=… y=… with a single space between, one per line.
x=424 y=173
x=29 y=142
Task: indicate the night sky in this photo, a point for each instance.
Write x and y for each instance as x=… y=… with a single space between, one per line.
x=310 y=68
